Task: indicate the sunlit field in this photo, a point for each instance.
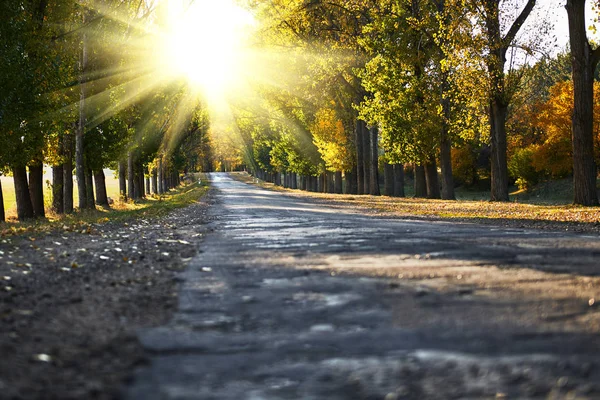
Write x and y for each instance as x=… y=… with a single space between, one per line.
x=8 y=190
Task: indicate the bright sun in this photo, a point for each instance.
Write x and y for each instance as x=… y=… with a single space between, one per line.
x=205 y=42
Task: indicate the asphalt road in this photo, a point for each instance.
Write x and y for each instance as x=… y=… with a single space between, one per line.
x=293 y=298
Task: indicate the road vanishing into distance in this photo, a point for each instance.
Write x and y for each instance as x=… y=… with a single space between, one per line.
x=294 y=297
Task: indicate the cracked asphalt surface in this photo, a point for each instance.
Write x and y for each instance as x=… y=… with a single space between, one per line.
x=301 y=299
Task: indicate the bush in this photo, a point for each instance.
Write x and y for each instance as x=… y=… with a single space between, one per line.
x=464 y=166
x=520 y=167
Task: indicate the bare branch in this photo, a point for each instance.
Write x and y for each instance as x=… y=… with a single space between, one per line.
x=514 y=29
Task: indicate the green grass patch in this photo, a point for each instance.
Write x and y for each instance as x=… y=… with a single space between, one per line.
x=83 y=221
x=10 y=202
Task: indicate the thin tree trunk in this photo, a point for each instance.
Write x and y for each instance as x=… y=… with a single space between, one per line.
x=36 y=189
x=431 y=179
x=584 y=61
x=122 y=180
x=338 y=186
x=161 y=188
x=167 y=178
x=499 y=96
x=420 y=185
x=351 y=184
x=2 y=213
x=330 y=182
x=68 y=173
x=374 y=178
x=58 y=201
x=446 y=147
x=130 y=177
x=388 y=178
x=148 y=185
x=367 y=154
x=100 y=181
x=499 y=175
x=399 y=180
x=79 y=132
x=154 y=181
x=137 y=191
x=360 y=167
x=24 y=206
x=140 y=178
x=89 y=184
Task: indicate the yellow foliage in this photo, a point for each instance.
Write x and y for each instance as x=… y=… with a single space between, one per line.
x=553 y=117
x=331 y=139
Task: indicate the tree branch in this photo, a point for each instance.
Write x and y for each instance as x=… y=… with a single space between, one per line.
x=514 y=29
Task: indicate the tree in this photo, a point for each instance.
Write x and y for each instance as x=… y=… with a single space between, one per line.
x=584 y=58
x=499 y=94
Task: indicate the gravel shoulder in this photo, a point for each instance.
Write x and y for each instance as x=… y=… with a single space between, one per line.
x=71 y=302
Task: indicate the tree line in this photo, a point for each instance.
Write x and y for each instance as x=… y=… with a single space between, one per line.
x=455 y=90
x=76 y=95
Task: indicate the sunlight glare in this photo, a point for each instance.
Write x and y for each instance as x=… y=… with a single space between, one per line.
x=205 y=43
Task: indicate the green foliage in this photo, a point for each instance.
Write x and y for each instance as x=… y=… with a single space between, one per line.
x=520 y=166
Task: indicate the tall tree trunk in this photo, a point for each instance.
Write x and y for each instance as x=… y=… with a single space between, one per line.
x=36 y=189
x=446 y=146
x=130 y=177
x=374 y=178
x=58 y=200
x=161 y=187
x=148 y=185
x=139 y=175
x=338 y=186
x=388 y=179
x=584 y=61
x=499 y=95
x=68 y=172
x=137 y=191
x=167 y=178
x=351 y=184
x=420 y=185
x=154 y=181
x=399 y=180
x=431 y=179
x=330 y=183
x=360 y=166
x=100 y=181
x=24 y=206
x=2 y=213
x=79 y=132
x=122 y=180
x=499 y=176
x=367 y=154
x=89 y=185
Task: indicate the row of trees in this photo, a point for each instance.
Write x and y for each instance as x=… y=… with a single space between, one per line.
x=434 y=83
x=77 y=94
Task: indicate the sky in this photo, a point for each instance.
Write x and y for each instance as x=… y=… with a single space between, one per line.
x=552 y=14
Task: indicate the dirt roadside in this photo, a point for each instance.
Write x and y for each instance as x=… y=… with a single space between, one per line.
x=71 y=302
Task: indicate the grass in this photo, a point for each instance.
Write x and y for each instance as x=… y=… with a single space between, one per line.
x=82 y=221
x=471 y=205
